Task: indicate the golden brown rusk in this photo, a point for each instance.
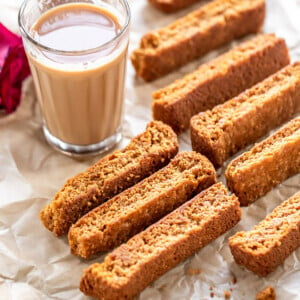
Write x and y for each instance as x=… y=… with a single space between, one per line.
x=128 y=213
x=219 y=80
x=144 y=155
x=133 y=266
x=215 y=24
x=270 y=242
x=169 y=6
x=267 y=164
x=223 y=131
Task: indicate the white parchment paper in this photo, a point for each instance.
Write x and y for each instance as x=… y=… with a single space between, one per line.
x=36 y=265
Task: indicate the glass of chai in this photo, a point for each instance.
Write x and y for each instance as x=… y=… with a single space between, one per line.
x=77 y=54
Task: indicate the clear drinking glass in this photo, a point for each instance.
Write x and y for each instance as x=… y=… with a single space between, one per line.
x=80 y=93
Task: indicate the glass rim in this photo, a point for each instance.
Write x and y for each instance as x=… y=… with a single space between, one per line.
x=26 y=34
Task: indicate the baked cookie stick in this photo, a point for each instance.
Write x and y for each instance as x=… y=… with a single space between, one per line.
x=134 y=265
x=268 y=163
x=128 y=213
x=265 y=247
x=194 y=35
x=169 y=6
x=221 y=132
x=112 y=174
x=219 y=80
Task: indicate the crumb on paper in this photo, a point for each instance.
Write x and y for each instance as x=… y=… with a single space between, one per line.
x=192 y=271
x=211 y=288
x=162 y=287
x=212 y=294
x=266 y=294
x=234 y=279
x=227 y=294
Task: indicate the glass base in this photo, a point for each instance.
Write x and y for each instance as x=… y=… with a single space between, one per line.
x=82 y=150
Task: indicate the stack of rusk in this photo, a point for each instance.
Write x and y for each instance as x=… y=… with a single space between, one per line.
x=156 y=206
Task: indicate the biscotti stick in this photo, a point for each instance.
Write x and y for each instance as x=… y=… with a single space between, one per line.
x=194 y=35
x=219 y=80
x=265 y=247
x=145 y=154
x=268 y=163
x=169 y=6
x=221 y=132
x=134 y=265
x=115 y=221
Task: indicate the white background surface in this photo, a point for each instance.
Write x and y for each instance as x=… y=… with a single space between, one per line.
x=36 y=265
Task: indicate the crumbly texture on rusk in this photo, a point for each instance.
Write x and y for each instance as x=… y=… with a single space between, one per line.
x=270 y=242
x=267 y=164
x=194 y=35
x=223 y=131
x=266 y=294
x=145 y=257
x=219 y=80
x=144 y=155
x=169 y=6
x=128 y=213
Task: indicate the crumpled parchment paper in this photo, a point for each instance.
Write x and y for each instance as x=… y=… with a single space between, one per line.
x=36 y=265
